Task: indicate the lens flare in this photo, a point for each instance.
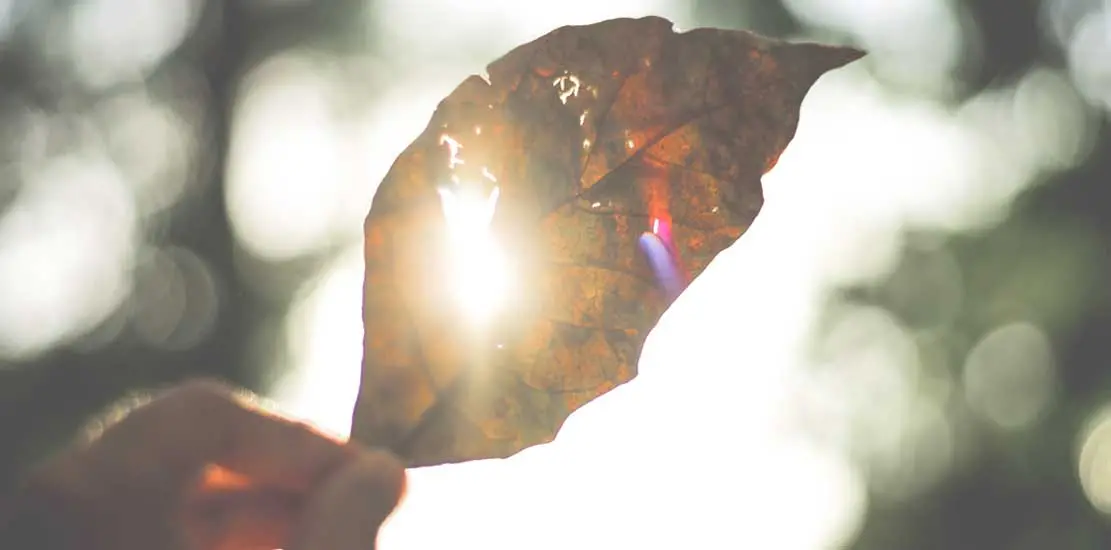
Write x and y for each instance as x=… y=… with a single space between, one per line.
x=479 y=276
x=662 y=256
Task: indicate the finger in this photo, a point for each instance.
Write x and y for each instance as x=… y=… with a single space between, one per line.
x=217 y=478
x=126 y=487
x=250 y=519
x=348 y=509
x=176 y=436
x=227 y=514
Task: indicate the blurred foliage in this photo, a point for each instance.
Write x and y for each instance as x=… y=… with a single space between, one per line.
x=165 y=124
x=973 y=364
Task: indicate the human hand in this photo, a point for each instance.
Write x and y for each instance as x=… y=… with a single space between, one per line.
x=199 y=469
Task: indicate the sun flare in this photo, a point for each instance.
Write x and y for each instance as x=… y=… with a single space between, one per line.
x=479 y=276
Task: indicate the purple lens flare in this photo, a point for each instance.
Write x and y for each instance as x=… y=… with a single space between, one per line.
x=664 y=265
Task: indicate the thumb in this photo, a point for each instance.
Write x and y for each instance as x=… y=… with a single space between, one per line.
x=347 y=510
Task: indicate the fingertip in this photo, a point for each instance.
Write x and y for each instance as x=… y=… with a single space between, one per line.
x=379 y=473
x=349 y=508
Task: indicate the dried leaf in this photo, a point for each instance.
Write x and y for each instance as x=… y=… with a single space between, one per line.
x=573 y=145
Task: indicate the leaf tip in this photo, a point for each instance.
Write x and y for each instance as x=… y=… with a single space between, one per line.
x=849 y=54
x=808 y=61
x=823 y=57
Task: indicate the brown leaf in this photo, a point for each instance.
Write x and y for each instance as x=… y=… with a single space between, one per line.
x=590 y=132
